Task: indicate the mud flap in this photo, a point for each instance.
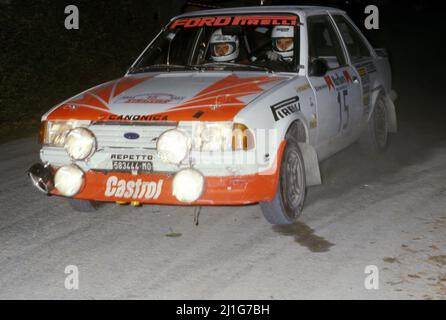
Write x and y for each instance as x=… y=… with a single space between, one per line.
x=312 y=173
x=391 y=114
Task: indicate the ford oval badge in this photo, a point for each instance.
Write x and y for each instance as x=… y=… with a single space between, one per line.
x=131 y=135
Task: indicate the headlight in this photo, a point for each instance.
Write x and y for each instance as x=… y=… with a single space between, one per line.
x=173 y=146
x=222 y=136
x=242 y=137
x=213 y=136
x=69 y=180
x=53 y=133
x=80 y=143
x=188 y=185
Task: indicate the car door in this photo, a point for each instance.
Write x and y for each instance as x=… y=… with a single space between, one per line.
x=337 y=92
x=361 y=60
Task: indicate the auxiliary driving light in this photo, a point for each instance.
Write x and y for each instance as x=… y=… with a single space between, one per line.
x=80 y=143
x=69 y=180
x=188 y=185
x=172 y=146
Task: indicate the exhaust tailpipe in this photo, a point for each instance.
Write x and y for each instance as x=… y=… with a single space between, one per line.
x=41 y=177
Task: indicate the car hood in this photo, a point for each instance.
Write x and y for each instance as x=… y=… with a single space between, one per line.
x=199 y=96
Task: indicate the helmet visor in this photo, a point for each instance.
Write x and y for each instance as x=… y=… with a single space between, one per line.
x=221 y=49
x=283 y=44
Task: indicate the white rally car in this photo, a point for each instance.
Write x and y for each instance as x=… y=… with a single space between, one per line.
x=224 y=107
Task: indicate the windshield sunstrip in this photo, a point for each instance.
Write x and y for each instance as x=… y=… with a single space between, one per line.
x=221 y=21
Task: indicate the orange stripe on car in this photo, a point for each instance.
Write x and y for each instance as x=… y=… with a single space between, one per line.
x=95 y=98
x=219 y=101
x=126 y=83
x=77 y=112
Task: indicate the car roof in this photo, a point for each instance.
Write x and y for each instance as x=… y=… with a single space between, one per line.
x=306 y=10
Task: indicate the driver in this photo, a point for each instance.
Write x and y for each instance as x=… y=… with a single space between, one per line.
x=282 y=44
x=224 y=48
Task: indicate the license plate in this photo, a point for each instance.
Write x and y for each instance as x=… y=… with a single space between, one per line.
x=129 y=166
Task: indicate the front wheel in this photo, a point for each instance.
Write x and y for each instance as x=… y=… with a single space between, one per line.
x=288 y=202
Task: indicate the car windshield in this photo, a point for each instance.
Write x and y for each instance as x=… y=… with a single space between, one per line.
x=249 y=42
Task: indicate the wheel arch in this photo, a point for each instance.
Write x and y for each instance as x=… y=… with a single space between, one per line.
x=298 y=128
x=390 y=107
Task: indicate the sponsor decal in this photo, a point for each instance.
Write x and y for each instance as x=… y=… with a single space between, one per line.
x=329 y=83
x=220 y=21
x=285 y=108
x=368 y=66
x=222 y=38
x=134 y=189
x=321 y=87
x=132 y=157
x=151 y=98
x=336 y=81
x=303 y=87
x=131 y=135
x=365 y=80
x=364 y=71
x=366 y=102
x=347 y=76
x=137 y=117
x=313 y=121
x=227 y=91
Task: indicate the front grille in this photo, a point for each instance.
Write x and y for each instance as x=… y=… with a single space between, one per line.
x=111 y=135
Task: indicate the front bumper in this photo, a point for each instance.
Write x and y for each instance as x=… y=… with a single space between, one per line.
x=156 y=188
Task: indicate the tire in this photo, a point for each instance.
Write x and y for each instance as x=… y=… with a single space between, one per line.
x=374 y=139
x=286 y=207
x=83 y=205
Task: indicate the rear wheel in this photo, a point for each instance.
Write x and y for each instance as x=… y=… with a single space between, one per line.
x=288 y=202
x=83 y=205
x=374 y=139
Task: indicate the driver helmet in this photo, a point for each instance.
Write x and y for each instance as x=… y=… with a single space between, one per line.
x=224 y=48
x=283 y=41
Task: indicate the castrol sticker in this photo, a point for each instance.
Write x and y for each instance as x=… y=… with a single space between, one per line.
x=133 y=189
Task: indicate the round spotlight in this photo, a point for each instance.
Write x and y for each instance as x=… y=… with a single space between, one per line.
x=172 y=146
x=188 y=185
x=69 y=180
x=80 y=143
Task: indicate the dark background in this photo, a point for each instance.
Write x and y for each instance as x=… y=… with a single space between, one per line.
x=42 y=63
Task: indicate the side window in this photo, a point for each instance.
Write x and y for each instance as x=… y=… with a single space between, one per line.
x=355 y=44
x=324 y=42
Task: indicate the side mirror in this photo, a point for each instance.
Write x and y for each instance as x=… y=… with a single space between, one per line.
x=318 y=68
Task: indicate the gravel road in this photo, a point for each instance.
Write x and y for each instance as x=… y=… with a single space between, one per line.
x=388 y=211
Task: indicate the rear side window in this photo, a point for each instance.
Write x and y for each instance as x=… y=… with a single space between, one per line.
x=324 y=42
x=356 y=46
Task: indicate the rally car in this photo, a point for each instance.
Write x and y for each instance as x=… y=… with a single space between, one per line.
x=224 y=107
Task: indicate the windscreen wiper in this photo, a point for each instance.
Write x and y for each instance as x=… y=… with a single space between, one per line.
x=232 y=64
x=161 y=66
